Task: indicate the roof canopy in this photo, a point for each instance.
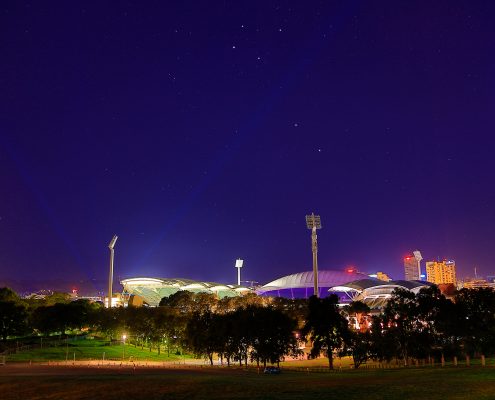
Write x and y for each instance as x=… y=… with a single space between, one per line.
x=326 y=278
x=152 y=290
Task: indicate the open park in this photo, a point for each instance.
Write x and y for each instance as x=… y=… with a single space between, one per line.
x=93 y=369
x=43 y=381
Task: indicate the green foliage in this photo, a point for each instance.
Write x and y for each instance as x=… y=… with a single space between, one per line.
x=13 y=319
x=7 y=294
x=325 y=327
x=261 y=333
x=476 y=318
x=263 y=330
x=358 y=345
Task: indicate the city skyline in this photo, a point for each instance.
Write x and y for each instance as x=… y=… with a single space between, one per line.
x=204 y=133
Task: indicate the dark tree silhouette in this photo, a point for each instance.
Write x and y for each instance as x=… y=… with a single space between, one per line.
x=325 y=327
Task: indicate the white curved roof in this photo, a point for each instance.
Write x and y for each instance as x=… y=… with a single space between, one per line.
x=326 y=278
x=152 y=290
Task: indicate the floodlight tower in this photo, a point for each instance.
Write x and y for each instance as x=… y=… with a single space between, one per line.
x=238 y=265
x=111 y=246
x=313 y=222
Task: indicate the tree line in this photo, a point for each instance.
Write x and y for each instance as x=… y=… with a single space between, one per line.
x=265 y=330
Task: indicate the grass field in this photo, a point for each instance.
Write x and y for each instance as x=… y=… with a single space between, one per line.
x=222 y=383
x=91 y=350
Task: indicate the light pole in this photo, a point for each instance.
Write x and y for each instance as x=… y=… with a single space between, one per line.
x=124 y=337
x=238 y=265
x=313 y=222
x=111 y=246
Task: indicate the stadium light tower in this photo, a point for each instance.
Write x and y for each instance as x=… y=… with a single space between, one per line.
x=111 y=246
x=238 y=265
x=313 y=222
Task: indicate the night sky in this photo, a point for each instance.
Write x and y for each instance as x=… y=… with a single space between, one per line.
x=200 y=132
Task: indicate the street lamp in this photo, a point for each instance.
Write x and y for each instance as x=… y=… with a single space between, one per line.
x=238 y=265
x=313 y=222
x=111 y=245
x=124 y=337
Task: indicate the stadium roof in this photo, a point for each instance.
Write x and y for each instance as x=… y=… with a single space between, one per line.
x=375 y=292
x=152 y=290
x=326 y=278
x=370 y=283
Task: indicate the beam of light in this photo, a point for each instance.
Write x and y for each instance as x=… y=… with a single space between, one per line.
x=44 y=205
x=281 y=89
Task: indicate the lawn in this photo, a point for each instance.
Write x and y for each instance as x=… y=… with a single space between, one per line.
x=92 y=350
x=222 y=383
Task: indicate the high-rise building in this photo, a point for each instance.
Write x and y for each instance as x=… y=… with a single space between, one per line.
x=439 y=272
x=412 y=266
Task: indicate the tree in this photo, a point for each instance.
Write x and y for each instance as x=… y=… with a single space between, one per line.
x=359 y=311
x=183 y=301
x=382 y=341
x=56 y=298
x=437 y=323
x=110 y=321
x=358 y=345
x=297 y=309
x=399 y=317
x=477 y=319
x=139 y=321
x=13 y=319
x=7 y=294
x=51 y=319
x=273 y=336
x=325 y=327
x=200 y=335
x=204 y=302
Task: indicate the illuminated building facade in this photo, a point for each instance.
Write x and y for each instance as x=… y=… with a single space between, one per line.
x=382 y=276
x=412 y=266
x=441 y=272
x=477 y=283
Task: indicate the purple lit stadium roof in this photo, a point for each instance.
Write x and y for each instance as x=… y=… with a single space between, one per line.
x=286 y=285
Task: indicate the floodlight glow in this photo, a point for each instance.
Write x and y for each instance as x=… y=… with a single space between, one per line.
x=313 y=221
x=238 y=265
x=111 y=245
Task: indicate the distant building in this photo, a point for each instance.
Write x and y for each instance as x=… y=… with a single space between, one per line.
x=382 y=276
x=477 y=283
x=412 y=266
x=441 y=272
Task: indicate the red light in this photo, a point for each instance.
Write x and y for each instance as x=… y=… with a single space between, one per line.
x=350 y=270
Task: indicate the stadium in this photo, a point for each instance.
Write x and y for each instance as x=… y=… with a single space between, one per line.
x=300 y=285
x=374 y=292
x=152 y=290
x=348 y=285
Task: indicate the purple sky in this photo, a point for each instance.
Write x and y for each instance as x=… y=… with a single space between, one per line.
x=200 y=132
